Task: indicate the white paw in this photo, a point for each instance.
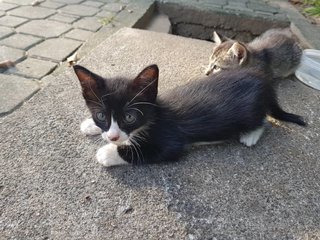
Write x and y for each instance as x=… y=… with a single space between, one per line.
x=108 y=156
x=88 y=127
x=251 y=138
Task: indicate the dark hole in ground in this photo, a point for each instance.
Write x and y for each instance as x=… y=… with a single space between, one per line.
x=193 y=22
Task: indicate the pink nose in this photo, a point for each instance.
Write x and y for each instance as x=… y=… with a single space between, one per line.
x=114 y=138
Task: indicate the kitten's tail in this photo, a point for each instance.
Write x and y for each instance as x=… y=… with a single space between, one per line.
x=278 y=113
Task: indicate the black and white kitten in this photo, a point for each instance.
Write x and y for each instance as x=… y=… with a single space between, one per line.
x=143 y=128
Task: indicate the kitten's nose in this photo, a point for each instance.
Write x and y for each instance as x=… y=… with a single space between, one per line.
x=114 y=138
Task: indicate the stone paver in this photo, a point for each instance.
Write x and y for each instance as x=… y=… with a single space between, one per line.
x=68 y=1
x=57 y=49
x=114 y=7
x=88 y=23
x=20 y=41
x=14 y=90
x=79 y=34
x=5 y=31
x=64 y=18
x=12 y=54
x=79 y=10
x=11 y=21
x=35 y=68
x=31 y=12
x=44 y=28
x=7 y=6
x=20 y=2
x=106 y=14
x=51 y=4
x=92 y=3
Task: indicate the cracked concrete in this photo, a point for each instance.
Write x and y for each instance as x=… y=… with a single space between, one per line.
x=53 y=188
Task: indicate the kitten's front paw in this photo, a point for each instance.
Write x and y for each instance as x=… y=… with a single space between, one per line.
x=108 y=156
x=88 y=127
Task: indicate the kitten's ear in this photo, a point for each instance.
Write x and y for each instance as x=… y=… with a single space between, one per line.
x=146 y=83
x=91 y=83
x=239 y=52
x=216 y=38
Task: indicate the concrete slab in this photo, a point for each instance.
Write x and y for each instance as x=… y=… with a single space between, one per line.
x=53 y=188
x=14 y=91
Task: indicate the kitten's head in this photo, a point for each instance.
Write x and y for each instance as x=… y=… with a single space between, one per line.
x=227 y=54
x=120 y=107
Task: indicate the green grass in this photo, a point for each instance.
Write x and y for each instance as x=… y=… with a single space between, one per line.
x=314 y=9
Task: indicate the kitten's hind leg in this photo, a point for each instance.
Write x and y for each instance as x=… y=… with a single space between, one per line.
x=251 y=138
x=88 y=127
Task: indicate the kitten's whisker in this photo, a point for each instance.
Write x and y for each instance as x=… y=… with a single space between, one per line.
x=142 y=91
x=108 y=94
x=143 y=103
x=137 y=110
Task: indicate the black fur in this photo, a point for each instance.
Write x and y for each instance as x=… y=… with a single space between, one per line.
x=212 y=109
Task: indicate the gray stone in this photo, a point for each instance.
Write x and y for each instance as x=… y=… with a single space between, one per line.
x=68 y=1
x=5 y=31
x=35 y=68
x=20 y=2
x=14 y=91
x=93 y=3
x=79 y=10
x=88 y=23
x=237 y=4
x=114 y=7
x=237 y=8
x=106 y=14
x=79 y=34
x=64 y=18
x=20 y=41
x=44 y=28
x=51 y=4
x=32 y=12
x=262 y=7
x=7 y=6
x=11 y=21
x=2 y=13
x=12 y=54
x=57 y=49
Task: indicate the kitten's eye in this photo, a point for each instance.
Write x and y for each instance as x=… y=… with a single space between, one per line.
x=101 y=116
x=129 y=118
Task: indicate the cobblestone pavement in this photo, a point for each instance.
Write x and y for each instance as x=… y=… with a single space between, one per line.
x=39 y=35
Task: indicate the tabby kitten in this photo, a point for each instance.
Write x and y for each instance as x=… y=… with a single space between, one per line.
x=276 y=51
x=144 y=128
